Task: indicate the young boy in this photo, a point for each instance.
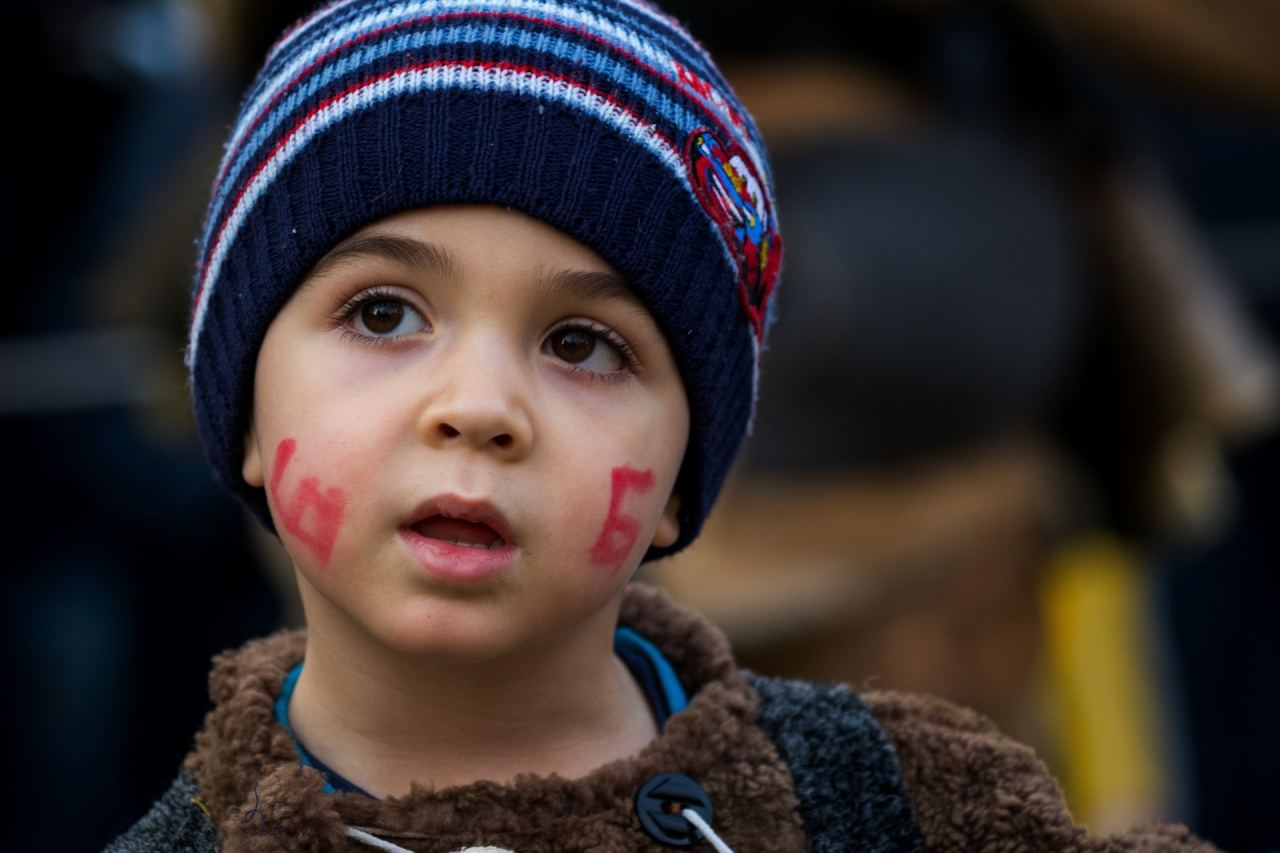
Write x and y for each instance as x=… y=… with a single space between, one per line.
x=480 y=302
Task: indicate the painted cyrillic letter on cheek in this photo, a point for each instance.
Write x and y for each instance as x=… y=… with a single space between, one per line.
x=618 y=536
x=327 y=506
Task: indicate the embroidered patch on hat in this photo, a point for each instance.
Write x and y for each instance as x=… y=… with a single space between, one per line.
x=733 y=194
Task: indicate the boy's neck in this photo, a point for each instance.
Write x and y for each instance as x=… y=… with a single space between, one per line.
x=383 y=719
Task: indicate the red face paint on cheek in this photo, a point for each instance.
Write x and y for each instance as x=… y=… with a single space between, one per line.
x=618 y=536
x=328 y=506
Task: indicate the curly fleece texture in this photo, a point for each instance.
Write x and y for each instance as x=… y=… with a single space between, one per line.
x=789 y=766
x=975 y=789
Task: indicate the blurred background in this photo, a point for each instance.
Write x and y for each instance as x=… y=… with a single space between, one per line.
x=1018 y=442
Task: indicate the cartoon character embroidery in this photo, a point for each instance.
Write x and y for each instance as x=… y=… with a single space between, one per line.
x=732 y=192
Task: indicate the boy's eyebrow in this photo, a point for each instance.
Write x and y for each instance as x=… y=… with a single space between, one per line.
x=417 y=254
x=589 y=285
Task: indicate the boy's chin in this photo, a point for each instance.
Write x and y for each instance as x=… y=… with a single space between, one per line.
x=479 y=628
x=448 y=647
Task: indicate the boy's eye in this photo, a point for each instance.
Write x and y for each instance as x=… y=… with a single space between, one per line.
x=584 y=350
x=384 y=318
x=573 y=345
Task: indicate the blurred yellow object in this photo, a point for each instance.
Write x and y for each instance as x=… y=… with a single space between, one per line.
x=1099 y=644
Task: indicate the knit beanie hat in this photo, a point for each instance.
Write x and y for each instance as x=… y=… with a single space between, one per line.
x=601 y=118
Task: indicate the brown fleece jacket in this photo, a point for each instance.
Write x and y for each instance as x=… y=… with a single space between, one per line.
x=262 y=800
x=971 y=788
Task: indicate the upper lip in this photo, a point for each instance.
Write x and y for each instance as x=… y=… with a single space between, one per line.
x=464 y=509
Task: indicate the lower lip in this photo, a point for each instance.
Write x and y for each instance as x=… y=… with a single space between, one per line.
x=457 y=563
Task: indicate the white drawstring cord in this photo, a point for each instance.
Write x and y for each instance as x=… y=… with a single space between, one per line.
x=688 y=814
x=705 y=828
x=375 y=841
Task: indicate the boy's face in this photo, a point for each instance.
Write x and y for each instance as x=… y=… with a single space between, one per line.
x=468 y=429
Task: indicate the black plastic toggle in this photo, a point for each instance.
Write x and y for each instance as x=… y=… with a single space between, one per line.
x=660 y=802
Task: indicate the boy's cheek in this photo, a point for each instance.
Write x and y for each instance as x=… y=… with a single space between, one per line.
x=313 y=495
x=626 y=489
x=309 y=511
x=625 y=517
x=610 y=507
x=317 y=446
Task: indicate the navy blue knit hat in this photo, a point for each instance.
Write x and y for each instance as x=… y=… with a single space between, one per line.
x=602 y=118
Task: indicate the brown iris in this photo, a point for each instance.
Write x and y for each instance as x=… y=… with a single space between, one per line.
x=573 y=345
x=383 y=316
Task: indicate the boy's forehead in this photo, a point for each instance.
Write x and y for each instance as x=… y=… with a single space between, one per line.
x=404 y=250
x=588 y=285
x=577 y=275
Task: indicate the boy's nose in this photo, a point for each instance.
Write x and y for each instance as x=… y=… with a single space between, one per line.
x=482 y=416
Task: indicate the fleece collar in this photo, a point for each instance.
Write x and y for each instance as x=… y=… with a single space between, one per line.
x=263 y=799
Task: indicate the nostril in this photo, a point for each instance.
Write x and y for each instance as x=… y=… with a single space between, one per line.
x=503 y=440
x=448 y=431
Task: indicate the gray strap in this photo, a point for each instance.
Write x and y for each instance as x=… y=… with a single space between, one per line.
x=177 y=823
x=852 y=798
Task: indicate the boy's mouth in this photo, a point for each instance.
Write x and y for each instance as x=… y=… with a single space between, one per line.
x=460 y=541
x=468 y=534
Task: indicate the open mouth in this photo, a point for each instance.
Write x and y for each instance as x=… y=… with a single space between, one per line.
x=455 y=531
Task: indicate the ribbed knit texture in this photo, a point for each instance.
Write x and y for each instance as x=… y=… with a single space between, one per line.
x=603 y=119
